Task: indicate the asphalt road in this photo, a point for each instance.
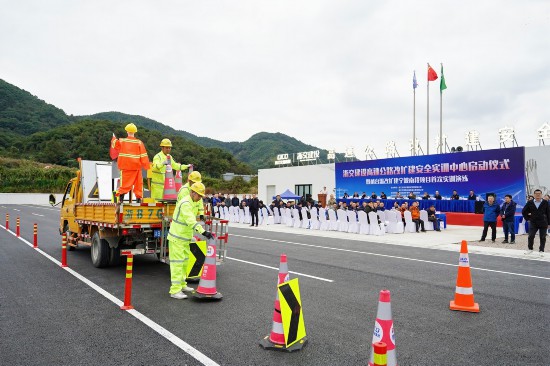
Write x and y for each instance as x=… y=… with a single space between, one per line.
x=48 y=316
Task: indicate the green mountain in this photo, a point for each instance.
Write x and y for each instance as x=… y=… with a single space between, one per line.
x=37 y=129
x=259 y=151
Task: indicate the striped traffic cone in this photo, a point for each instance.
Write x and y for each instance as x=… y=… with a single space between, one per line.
x=178 y=180
x=276 y=339
x=383 y=329
x=464 y=293
x=170 y=192
x=207 y=284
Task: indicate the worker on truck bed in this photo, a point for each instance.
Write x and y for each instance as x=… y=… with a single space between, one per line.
x=159 y=169
x=132 y=157
x=194 y=177
x=184 y=224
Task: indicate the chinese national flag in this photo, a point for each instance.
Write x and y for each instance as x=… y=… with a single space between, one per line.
x=112 y=151
x=432 y=75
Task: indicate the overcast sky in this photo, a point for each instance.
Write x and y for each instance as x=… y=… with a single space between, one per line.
x=333 y=74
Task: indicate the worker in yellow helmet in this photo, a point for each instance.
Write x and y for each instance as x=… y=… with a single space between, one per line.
x=132 y=158
x=193 y=177
x=159 y=169
x=184 y=224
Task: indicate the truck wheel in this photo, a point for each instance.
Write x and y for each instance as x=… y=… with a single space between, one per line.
x=114 y=256
x=100 y=251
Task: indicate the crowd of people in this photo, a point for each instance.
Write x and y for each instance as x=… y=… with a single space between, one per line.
x=412 y=196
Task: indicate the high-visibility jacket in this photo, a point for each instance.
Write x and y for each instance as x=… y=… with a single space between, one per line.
x=158 y=172
x=185 y=194
x=184 y=221
x=132 y=153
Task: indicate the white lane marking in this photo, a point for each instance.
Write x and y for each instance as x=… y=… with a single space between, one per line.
x=184 y=346
x=391 y=256
x=16 y=209
x=35 y=214
x=275 y=268
x=42 y=208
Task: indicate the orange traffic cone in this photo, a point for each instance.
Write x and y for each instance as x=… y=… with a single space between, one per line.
x=383 y=329
x=178 y=180
x=170 y=193
x=207 y=284
x=276 y=339
x=464 y=293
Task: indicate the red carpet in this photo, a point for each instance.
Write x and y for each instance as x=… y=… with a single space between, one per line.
x=467 y=219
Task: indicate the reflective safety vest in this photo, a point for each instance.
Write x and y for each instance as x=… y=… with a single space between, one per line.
x=158 y=171
x=185 y=194
x=184 y=221
x=132 y=154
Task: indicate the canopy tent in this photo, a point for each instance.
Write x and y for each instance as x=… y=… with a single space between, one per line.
x=288 y=195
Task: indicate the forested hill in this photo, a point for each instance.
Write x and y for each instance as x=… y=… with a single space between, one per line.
x=90 y=140
x=259 y=151
x=31 y=126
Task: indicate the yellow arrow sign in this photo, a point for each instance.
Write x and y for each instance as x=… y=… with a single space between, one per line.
x=294 y=328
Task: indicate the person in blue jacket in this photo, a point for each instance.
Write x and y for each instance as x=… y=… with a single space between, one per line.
x=490 y=213
x=507 y=212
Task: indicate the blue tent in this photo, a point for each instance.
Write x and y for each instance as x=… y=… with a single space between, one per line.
x=288 y=195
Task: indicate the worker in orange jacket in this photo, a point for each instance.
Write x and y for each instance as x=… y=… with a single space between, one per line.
x=132 y=157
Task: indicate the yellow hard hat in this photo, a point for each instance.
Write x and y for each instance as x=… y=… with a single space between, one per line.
x=198 y=188
x=130 y=127
x=166 y=143
x=195 y=177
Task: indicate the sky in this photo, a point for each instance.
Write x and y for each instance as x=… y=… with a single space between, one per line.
x=333 y=74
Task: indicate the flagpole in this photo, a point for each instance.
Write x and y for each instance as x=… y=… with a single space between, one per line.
x=428 y=116
x=441 y=116
x=414 y=121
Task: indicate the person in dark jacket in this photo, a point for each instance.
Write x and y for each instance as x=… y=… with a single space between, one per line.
x=507 y=212
x=235 y=201
x=254 y=207
x=490 y=213
x=537 y=212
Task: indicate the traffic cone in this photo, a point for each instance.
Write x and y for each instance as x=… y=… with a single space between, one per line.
x=170 y=192
x=207 y=284
x=276 y=339
x=178 y=180
x=383 y=329
x=464 y=293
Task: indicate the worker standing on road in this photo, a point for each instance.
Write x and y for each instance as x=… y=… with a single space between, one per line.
x=132 y=158
x=184 y=224
x=194 y=177
x=160 y=162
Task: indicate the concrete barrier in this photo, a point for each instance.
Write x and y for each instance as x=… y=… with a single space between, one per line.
x=27 y=198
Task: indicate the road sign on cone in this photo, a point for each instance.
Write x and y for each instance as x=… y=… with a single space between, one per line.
x=276 y=339
x=207 y=284
x=464 y=293
x=383 y=329
x=170 y=192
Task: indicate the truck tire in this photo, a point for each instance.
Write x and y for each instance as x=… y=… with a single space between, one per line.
x=100 y=251
x=114 y=256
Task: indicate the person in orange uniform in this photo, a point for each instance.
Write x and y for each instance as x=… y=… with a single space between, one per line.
x=132 y=157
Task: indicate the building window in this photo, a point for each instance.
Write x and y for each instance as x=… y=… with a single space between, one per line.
x=302 y=190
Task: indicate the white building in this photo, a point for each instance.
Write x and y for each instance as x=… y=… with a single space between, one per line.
x=302 y=180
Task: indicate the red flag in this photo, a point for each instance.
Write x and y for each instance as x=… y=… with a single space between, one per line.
x=432 y=75
x=112 y=151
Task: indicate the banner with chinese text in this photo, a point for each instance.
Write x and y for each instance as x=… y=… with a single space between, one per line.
x=500 y=171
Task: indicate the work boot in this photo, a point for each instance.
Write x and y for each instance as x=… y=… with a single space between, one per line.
x=179 y=296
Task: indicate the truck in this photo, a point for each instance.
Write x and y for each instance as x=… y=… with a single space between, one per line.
x=89 y=217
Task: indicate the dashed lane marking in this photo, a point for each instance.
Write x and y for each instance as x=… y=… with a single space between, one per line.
x=390 y=256
x=184 y=346
x=35 y=214
x=275 y=268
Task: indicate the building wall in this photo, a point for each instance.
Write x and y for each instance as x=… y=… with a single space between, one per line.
x=319 y=176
